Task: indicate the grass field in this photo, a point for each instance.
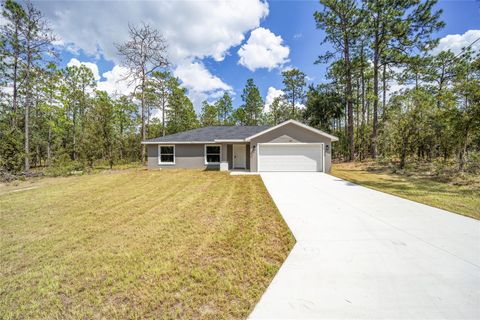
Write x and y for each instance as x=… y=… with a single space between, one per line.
x=138 y=244
x=462 y=198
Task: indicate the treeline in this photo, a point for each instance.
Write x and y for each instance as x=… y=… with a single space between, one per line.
x=57 y=118
x=54 y=117
x=380 y=43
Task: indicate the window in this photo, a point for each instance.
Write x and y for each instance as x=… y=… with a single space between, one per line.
x=166 y=154
x=212 y=154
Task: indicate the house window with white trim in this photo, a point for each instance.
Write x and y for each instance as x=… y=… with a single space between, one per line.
x=212 y=154
x=166 y=154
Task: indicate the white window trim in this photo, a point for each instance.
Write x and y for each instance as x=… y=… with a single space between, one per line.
x=205 y=153
x=160 y=154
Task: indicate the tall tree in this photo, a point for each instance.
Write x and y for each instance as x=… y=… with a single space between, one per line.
x=279 y=111
x=323 y=106
x=209 y=115
x=13 y=44
x=49 y=106
x=78 y=83
x=180 y=114
x=161 y=84
x=341 y=21
x=239 y=117
x=143 y=53
x=100 y=129
x=224 y=109
x=126 y=116
x=294 y=82
x=253 y=103
x=395 y=27
x=37 y=37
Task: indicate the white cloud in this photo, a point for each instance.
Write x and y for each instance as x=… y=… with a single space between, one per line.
x=201 y=84
x=193 y=29
x=272 y=93
x=263 y=49
x=455 y=42
x=195 y=76
x=115 y=82
x=92 y=66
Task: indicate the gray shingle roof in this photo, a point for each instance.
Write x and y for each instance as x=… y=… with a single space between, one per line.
x=212 y=133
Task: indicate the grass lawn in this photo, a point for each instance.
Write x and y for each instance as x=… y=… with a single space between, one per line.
x=452 y=196
x=138 y=244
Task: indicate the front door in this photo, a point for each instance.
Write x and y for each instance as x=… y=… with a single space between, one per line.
x=239 y=156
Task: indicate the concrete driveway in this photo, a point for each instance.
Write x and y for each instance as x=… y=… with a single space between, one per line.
x=364 y=254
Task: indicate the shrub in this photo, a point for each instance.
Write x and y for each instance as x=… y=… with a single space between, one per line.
x=472 y=164
x=64 y=166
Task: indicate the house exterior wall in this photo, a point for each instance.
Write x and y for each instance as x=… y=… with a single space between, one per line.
x=192 y=156
x=290 y=133
x=186 y=156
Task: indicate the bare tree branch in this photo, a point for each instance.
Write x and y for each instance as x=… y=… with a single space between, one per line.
x=142 y=54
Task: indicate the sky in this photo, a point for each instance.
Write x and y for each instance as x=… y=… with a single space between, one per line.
x=215 y=46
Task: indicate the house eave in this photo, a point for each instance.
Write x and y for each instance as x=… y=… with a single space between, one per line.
x=229 y=140
x=177 y=142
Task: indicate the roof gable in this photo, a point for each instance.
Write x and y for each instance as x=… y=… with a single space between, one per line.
x=291 y=121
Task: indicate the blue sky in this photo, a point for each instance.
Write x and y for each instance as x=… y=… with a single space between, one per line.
x=205 y=38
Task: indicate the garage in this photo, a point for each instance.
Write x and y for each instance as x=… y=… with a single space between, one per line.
x=290 y=157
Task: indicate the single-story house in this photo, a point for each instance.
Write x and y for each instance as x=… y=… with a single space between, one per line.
x=289 y=146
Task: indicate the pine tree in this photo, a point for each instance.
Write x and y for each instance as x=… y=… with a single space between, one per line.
x=294 y=82
x=253 y=103
x=209 y=115
x=341 y=21
x=224 y=109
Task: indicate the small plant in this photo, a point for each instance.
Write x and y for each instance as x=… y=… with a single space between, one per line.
x=64 y=166
x=472 y=164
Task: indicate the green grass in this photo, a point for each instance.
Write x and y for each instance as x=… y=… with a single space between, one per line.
x=138 y=244
x=462 y=198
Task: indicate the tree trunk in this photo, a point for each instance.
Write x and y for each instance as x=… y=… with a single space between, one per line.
x=110 y=156
x=403 y=155
x=293 y=104
x=144 y=131
x=49 y=145
x=38 y=161
x=122 y=146
x=163 y=116
x=351 y=146
x=75 y=133
x=375 y=94
x=362 y=80
x=463 y=149
x=15 y=91
x=27 y=113
x=15 y=77
x=384 y=88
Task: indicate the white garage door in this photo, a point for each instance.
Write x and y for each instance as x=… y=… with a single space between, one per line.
x=290 y=157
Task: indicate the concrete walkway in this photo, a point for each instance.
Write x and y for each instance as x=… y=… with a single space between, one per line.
x=364 y=254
